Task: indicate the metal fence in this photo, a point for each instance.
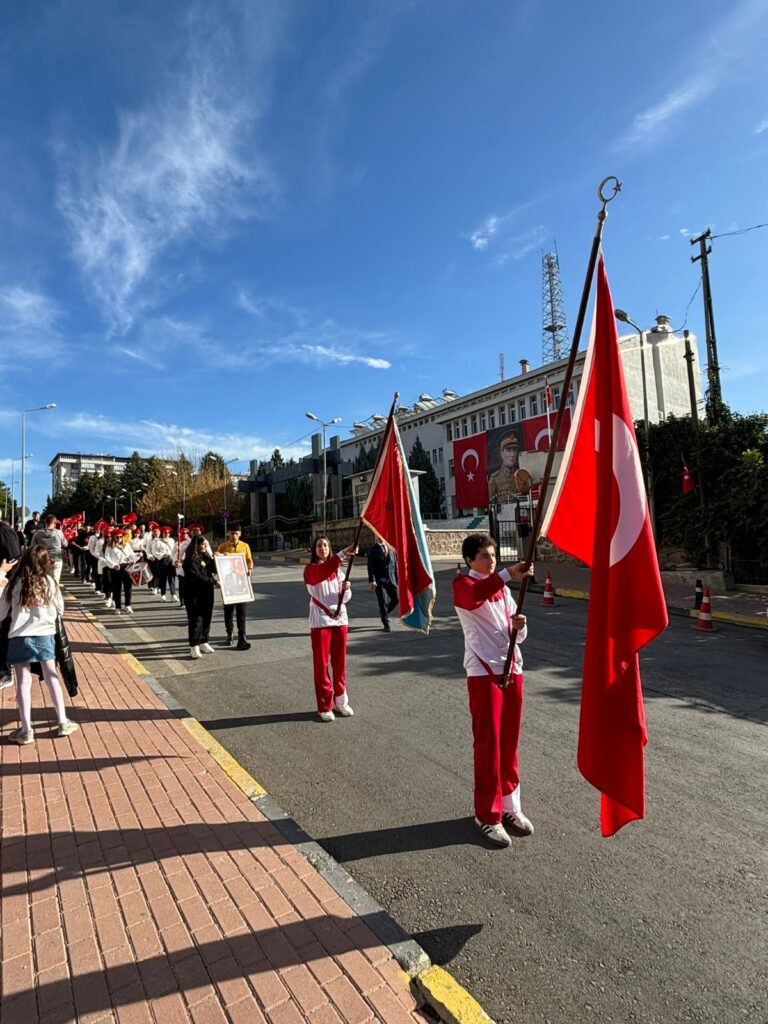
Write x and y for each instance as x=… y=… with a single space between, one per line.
x=750 y=570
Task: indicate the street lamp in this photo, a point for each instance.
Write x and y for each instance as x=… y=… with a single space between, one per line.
x=324 y=424
x=625 y=319
x=183 y=492
x=131 y=493
x=225 y=513
x=36 y=408
x=110 y=497
x=29 y=455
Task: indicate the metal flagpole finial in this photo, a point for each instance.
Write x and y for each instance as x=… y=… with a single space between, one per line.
x=605 y=199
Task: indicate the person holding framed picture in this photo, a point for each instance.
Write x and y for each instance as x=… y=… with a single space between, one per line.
x=234 y=608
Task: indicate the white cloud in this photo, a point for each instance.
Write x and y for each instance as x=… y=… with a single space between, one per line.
x=332 y=354
x=663 y=238
x=762 y=127
x=499 y=235
x=732 y=47
x=27 y=318
x=152 y=437
x=140 y=357
x=481 y=236
x=180 y=164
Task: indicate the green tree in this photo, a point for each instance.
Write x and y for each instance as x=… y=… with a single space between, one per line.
x=298 y=497
x=430 y=492
x=214 y=463
x=367 y=457
x=277 y=459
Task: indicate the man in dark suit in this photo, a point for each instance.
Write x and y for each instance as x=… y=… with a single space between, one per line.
x=382 y=577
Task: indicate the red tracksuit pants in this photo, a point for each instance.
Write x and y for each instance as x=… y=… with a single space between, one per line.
x=496 y=716
x=329 y=643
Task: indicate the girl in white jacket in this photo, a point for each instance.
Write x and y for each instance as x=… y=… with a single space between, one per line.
x=328 y=633
x=116 y=557
x=33 y=600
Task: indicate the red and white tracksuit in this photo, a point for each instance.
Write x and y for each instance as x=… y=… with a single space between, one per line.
x=485 y=608
x=328 y=635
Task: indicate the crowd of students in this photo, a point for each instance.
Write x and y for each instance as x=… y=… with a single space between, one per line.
x=112 y=560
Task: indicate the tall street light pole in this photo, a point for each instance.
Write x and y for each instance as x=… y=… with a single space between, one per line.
x=13 y=487
x=324 y=424
x=36 y=408
x=625 y=319
x=225 y=514
x=183 y=492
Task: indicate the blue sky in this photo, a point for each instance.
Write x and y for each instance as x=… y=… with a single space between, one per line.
x=215 y=216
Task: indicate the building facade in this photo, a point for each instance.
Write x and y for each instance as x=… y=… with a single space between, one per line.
x=67 y=468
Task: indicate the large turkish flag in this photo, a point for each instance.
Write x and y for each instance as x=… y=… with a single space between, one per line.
x=469 y=469
x=537 y=433
x=599 y=513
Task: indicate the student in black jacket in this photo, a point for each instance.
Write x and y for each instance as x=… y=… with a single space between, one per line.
x=199 y=581
x=381 y=574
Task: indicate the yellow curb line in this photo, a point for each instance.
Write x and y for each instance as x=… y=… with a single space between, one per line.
x=277 y=558
x=230 y=766
x=735 y=617
x=564 y=592
x=445 y=995
x=135 y=664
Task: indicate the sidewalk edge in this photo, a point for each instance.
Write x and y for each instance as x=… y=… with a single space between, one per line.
x=438 y=988
x=734 y=618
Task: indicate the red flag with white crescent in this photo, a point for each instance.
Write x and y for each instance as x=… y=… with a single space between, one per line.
x=469 y=470
x=599 y=513
x=688 y=484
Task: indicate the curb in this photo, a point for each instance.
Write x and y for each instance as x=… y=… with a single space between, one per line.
x=439 y=990
x=734 y=618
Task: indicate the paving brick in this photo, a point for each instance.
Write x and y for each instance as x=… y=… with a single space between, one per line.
x=304 y=988
x=360 y=971
x=49 y=948
x=17 y=937
x=389 y=1007
x=170 y=1009
x=226 y=974
x=131 y=1006
x=208 y=1012
x=193 y=979
x=348 y=1001
x=325 y=1015
x=268 y=986
x=246 y=1012
x=286 y=1013
x=394 y=976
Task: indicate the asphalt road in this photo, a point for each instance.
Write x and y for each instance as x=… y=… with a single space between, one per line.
x=666 y=922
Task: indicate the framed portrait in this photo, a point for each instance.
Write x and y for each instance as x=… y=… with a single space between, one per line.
x=234 y=579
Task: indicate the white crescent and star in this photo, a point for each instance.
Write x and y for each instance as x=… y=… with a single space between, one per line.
x=470 y=451
x=546 y=434
x=629 y=479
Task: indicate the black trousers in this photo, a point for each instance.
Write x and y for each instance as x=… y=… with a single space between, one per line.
x=180 y=581
x=385 y=607
x=229 y=614
x=198 y=602
x=166 y=576
x=121 y=583
x=106 y=582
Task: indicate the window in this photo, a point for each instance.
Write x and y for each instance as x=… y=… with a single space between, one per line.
x=450 y=467
x=482 y=421
x=464 y=430
x=449 y=431
x=534 y=405
x=556 y=396
x=572 y=395
x=502 y=415
x=512 y=412
x=491 y=419
x=434 y=456
x=440 y=455
x=473 y=421
x=521 y=408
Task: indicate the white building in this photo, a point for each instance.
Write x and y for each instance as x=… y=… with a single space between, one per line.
x=67 y=468
x=438 y=422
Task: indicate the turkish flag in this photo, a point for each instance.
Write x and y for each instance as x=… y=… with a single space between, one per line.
x=599 y=513
x=537 y=433
x=688 y=484
x=469 y=469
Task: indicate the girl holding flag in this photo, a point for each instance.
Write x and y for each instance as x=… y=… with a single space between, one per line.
x=324 y=580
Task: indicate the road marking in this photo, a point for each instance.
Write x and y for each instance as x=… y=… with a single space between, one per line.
x=175 y=666
x=134 y=663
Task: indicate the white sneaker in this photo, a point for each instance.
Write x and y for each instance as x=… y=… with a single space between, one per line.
x=108 y=603
x=118 y=611
x=163 y=598
x=517 y=822
x=194 y=652
x=207 y=649
x=129 y=609
x=326 y=716
x=156 y=590
x=176 y=598
x=344 y=710
x=495 y=834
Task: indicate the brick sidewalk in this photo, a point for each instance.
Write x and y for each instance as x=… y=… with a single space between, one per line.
x=139 y=884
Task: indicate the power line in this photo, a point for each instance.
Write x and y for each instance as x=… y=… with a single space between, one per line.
x=740 y=231
x=690 y=303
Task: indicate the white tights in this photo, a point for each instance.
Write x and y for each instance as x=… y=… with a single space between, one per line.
x=24 y=691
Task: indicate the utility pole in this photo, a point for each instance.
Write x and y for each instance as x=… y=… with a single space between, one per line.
x=714 y=393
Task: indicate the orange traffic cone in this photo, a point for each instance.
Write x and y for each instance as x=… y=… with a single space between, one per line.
x=704 y=620
x=548 y=600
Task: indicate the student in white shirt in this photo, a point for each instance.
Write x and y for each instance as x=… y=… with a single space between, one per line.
x=33 y=600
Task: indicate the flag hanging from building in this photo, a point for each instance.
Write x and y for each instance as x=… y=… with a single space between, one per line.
x=469 y=472
x=599 y=513
x=688 y=484
x=550 y=399
x=391 y=512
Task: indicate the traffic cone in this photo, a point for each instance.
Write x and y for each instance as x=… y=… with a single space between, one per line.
x=548 y=600
x=704 y=620
x=698 y=591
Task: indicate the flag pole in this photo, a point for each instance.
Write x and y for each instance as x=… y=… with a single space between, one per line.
x=359 y=529
x=613 y=183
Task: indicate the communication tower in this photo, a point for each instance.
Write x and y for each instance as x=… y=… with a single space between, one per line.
x=554 y=328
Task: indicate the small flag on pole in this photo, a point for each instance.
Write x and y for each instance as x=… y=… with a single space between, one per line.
x=550 y=399
x=391 y=512
x=688 y=484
